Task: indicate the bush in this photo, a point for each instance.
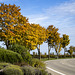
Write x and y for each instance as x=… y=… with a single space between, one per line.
x=22 y=51
x=27 y=57
x=9 y=56
x=12 y=70
x=19 y=49
x=40 y=72
x=3 y=65
x=37 y=63
x=9 y=69
x=21 y=64
x=28 y=70
x=43 y=72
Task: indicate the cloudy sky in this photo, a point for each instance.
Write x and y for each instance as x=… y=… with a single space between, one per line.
x=60 y=13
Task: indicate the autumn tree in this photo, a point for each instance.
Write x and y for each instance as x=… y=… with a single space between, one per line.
x=41 y=39
x=58 y=45
x=70 y=51
x=53 y=38
x=30 y=35
x=15 y=28
x=22 y=31
x=74 y=49
x=39 y=36
x=65 y=42
x=8 y=19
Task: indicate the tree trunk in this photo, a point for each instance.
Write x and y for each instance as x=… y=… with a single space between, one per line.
x=64 y=53
x=57 y=55
x=72 y=55
x=7 y=45
x=39 y=54
x=48 y=52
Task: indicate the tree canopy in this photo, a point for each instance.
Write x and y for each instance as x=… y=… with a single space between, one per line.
x=15 y=28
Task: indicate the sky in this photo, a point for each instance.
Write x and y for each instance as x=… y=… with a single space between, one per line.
x=60 y=13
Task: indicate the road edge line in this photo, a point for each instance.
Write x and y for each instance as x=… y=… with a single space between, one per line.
x=55 y=71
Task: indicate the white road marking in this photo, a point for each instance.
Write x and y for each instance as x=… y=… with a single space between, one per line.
x=55 y=71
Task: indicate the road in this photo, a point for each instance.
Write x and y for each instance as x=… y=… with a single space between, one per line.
x=61 y=66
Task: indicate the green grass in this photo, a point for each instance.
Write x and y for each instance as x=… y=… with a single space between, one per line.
x=45 y=59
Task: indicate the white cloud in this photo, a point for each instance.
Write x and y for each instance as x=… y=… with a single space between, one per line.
x=61 y=16
x=63 y=9
x=37 y=18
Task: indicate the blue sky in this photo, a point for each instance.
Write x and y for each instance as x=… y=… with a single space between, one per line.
x=60 y=13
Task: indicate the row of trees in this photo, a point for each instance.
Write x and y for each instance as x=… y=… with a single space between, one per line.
x=55 y=41
x=15 y=29
x=71 y=50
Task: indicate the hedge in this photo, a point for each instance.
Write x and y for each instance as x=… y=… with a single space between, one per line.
x=52 y=56
x=22 y=51
x=9 y=56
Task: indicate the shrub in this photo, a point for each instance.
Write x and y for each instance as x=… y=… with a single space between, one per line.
x=3 y=65
x=12 y=70
x=43 y=72
x=27 y=57
x=9 y=69
x=40 y=72
x=22 y=64
x=22 y=51
x=37 y=63
x=18 y=48
x=9 y=56
x=28 y=70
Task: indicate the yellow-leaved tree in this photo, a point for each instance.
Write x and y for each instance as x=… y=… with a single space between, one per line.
x=8 y=19
x=53 y=40
x=39 y=36
x=65 y=42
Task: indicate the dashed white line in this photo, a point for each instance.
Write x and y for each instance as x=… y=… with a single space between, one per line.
x=55 y=71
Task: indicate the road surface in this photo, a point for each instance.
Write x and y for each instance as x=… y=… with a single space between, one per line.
x=61 y=66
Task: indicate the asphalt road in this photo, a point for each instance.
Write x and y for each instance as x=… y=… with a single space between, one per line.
x=61 y=66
